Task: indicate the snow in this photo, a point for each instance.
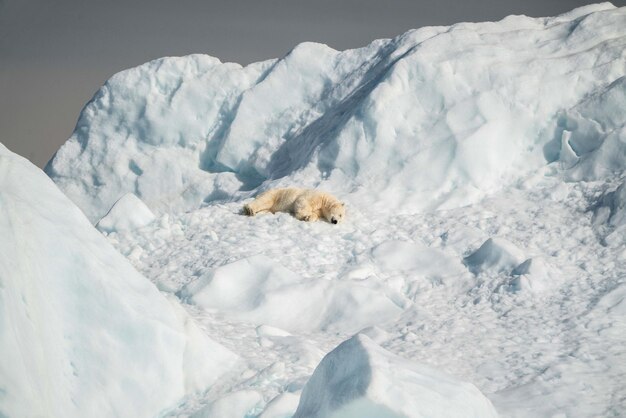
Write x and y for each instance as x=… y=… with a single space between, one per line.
x=82 y=332
x=483 y=169
x=479 y=104
x=361 y=379
x=593 y=133
x=234 y=405
x=524 y=335
x=535 y=275
x=259 y=290
x=128 y=213
x=281 y=407
x=610 y=216
x=494 y=254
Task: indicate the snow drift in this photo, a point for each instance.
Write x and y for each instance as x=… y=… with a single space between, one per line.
x=81 y=332
x=261 y=291
x=435 y=118
x=361 y=379
x=494 y=254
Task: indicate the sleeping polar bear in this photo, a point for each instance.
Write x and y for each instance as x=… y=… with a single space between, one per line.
x=305 y=204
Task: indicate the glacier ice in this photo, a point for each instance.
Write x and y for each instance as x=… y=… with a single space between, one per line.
x=435 y=118
x=593 y=133
x=82 y=333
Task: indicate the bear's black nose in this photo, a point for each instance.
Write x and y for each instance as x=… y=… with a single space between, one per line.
x=334 y=221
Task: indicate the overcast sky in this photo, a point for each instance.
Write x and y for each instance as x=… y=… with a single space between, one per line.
x=55 y=54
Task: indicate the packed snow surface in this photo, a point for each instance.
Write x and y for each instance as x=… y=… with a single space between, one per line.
x=483 y=168
x=260 y=290
x=82 y=333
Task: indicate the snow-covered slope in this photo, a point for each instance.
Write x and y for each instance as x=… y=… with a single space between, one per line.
x=435 y=118
x=483 y=166
x=82 y=333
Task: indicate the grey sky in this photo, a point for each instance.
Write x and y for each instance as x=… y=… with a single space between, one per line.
x=54 y=54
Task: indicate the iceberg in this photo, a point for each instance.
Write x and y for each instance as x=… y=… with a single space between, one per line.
x=436 y=118
x=82 y=333
x=482 y=165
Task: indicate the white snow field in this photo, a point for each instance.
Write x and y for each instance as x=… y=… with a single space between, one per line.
x=483 y=167
x=82 y=333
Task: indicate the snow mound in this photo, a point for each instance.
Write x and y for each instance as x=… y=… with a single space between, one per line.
x=361 y=379
x=261 y=291
x=535 y=275
x=81 y=332
x=435 y=118
x=495 y=254
x=128 y=213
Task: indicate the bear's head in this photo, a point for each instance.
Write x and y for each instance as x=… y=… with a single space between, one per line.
x=335 y=213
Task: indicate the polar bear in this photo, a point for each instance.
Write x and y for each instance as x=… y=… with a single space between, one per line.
x=305 y=204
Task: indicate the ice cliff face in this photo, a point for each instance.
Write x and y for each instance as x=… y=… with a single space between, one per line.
x=435 y=118
x=82 y=333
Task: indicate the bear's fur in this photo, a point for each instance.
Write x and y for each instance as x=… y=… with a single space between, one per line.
x=305 y=204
